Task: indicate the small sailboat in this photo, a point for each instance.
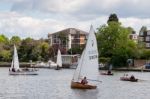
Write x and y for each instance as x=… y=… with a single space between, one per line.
x=108 y=72
x=59 y=60
x=15 y=69
x=88 y=65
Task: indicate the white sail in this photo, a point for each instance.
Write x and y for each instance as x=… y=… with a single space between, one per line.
x=12 y=64
x=59 y=59
x=15 y=61
x=88 y=64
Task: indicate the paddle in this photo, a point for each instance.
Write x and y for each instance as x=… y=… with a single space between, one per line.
x=94 y=80
x=142 y=80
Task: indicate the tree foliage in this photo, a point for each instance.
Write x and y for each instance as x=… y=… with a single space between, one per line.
x=15 y=40
x=114 y=42
x=113 y=18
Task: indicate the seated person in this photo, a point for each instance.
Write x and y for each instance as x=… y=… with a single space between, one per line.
x=84 y=81
x=132 y=77
x=109 y=72
x=13 y=70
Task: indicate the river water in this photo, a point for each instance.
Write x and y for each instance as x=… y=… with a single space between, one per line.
x=52 y=84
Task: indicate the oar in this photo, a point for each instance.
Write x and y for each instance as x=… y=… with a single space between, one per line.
x=94 y=80
x=142 y=80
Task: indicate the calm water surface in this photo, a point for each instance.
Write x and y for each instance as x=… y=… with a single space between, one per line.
x=52 y=84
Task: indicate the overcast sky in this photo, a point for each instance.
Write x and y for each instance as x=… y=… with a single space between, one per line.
x=37 y=18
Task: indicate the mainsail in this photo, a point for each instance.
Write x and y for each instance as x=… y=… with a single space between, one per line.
x=15 y=60
x=59 y=59
x=88 y=63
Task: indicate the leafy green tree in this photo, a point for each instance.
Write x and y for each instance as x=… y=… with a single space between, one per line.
x=113 y=18
x=63 y=41
x=3 y=39
x=44 y=46
x=25 y=49
x=114 y=43
x=5 y=55
x=15 y=40
x=142 y=30
x=75 y=50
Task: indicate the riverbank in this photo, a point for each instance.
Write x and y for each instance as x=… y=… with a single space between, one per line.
x=136 y=69
x=27 y=64
x=7 y=64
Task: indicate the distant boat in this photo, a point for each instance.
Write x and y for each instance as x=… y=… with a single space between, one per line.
x=88 y=65
x=128 y=79
x=15 y=69
x=59 y=60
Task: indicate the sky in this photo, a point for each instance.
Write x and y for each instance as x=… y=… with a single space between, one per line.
x=37 y=18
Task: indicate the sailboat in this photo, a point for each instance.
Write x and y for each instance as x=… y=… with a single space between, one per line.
x=88 y=65
x=15 y=69
x=59 y=60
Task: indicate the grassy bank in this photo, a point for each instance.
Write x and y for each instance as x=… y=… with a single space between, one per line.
x=8 y=64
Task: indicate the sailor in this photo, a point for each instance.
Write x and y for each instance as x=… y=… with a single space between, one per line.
x=132 y=77
x=109 y=72
x=84 y=81
x=13 y=70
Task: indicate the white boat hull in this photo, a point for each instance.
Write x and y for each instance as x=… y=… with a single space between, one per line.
x=23 y=73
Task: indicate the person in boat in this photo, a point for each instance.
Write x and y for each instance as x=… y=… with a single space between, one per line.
x=84 y=81
x=57 y=67
x=13 y=70
x=132 y=77
x=109 y=72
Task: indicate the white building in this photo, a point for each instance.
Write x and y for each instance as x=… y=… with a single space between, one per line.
x=68 y=38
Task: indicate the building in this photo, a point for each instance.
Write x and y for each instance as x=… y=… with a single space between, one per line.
x=133 y=36
x=68 y=38
x=145 y=38
x=69 y=60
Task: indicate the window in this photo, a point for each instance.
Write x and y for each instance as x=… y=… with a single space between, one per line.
x=148 y=32
x=148 y=38
x=141 y=38
x=147 y=44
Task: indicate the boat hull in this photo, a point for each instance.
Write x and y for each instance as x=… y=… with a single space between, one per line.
x=77 y=85
x=58 y=68
x=23 y=73
x=128 y=79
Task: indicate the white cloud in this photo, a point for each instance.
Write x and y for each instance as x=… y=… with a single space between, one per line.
x=136 y=23
x=23 y=26
x=37 y=18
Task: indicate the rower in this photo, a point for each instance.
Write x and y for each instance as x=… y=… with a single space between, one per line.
x=109 y=72
x=132 y=77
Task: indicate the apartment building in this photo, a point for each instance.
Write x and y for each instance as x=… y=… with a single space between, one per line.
x=68 y=38
x=133 y=36
x=145 y=38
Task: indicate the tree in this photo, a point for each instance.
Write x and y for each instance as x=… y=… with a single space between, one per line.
x=3 y=39
x=75 y=50
x=44 y=47
x=25 y=50
x=114 y=43
x=5 y=55
x=113 y=18
x=142 y=30
x=63 y=40
x=15 y=40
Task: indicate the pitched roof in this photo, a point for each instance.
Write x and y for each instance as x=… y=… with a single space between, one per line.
x=71 y=31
